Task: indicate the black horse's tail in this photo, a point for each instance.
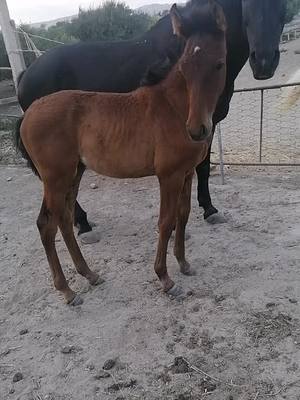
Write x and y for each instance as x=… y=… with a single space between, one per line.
x=20 y=77
x=21 y=148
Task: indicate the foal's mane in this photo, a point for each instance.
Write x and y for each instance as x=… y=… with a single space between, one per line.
x=198 y=19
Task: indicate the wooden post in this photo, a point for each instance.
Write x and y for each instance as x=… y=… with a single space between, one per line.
x=16 y=58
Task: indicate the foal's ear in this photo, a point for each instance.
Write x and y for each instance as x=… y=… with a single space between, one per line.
x=177 y=21
x=218 y=14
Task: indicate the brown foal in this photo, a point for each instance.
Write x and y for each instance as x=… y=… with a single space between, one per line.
x=163 y=130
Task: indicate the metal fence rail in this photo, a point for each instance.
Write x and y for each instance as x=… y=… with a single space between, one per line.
x=262 y=128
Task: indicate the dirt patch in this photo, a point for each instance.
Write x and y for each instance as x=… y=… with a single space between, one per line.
x=8 y=154
x=236 y=337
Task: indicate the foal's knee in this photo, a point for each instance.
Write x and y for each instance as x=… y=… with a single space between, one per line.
x=41 y=222
x=46 y=228
x=166 y=226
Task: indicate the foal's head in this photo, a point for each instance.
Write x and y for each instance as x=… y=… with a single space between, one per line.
x=203 y=62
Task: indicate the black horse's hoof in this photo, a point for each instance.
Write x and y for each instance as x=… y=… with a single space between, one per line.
x=215 y=219
x=90 y=237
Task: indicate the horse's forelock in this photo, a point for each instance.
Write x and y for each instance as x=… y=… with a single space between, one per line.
x=198 y=18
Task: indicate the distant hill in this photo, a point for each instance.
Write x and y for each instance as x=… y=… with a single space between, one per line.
x=53 y=22
x=154 y=9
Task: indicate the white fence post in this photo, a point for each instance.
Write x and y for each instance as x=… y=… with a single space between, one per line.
x=11 y=43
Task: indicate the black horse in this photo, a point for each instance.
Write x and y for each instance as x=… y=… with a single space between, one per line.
x=254 y=30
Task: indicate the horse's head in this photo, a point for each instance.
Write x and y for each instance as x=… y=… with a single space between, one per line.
x=203 y=62
x=263 y=21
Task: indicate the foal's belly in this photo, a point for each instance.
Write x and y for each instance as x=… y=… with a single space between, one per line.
x=117 y=158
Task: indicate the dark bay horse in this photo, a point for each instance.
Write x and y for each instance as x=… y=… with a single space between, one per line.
x=254 y=28
x=65 y=132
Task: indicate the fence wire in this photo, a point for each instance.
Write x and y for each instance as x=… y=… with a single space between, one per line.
x=262 y=127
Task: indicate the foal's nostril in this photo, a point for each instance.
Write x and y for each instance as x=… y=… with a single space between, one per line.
x=203 y=131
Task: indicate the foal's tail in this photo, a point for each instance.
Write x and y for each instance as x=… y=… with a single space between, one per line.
x=21 y=148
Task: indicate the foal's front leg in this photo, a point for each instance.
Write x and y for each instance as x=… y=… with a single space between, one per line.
x=183 y=212
x=170 y=189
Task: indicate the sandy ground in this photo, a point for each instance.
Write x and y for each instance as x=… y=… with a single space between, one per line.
x=235 y=337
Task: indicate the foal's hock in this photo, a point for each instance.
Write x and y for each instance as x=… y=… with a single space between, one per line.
x=163 y=130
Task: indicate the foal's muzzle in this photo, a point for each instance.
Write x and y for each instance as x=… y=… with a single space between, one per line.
x=200 y=134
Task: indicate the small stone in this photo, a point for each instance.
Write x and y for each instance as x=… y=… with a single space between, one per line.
x=196 y=308
x=93 y=186
x=293 y=301
x=9 y=179
x=102 y=375
x=109 y=364
x=17 y=377
x=11 y=391
x=219 y=298
x=180 y=366
x=68 y=349
x=122 y=385
x=270 y=305
x=23 y=331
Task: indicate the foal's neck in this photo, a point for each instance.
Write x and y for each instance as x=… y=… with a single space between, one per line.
x=175 y=90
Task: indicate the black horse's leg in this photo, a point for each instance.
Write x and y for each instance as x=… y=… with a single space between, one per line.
x=80 y=220
x=211 y=214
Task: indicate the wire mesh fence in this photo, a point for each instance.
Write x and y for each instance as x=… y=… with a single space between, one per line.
x=262 y=127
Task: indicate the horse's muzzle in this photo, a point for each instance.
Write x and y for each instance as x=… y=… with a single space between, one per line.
x=200 y=134
x=264 y=67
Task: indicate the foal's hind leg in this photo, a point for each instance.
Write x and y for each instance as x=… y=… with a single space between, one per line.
x=47 y=222
x=170 y=188
x=66 y=227
x=183 y=212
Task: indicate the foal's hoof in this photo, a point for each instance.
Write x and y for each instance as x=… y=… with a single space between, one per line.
x=176 y=292
x=77 y=301
x=215 y=219
x=97 y=280
x=186 y=269
x=90 y=237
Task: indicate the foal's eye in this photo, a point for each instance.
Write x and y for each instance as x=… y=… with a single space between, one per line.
x=220 y=65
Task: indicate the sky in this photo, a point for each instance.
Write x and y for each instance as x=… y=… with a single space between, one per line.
x=29 y=11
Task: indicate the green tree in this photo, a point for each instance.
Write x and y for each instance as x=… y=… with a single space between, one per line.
x=293 y=8
x=111 y=21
